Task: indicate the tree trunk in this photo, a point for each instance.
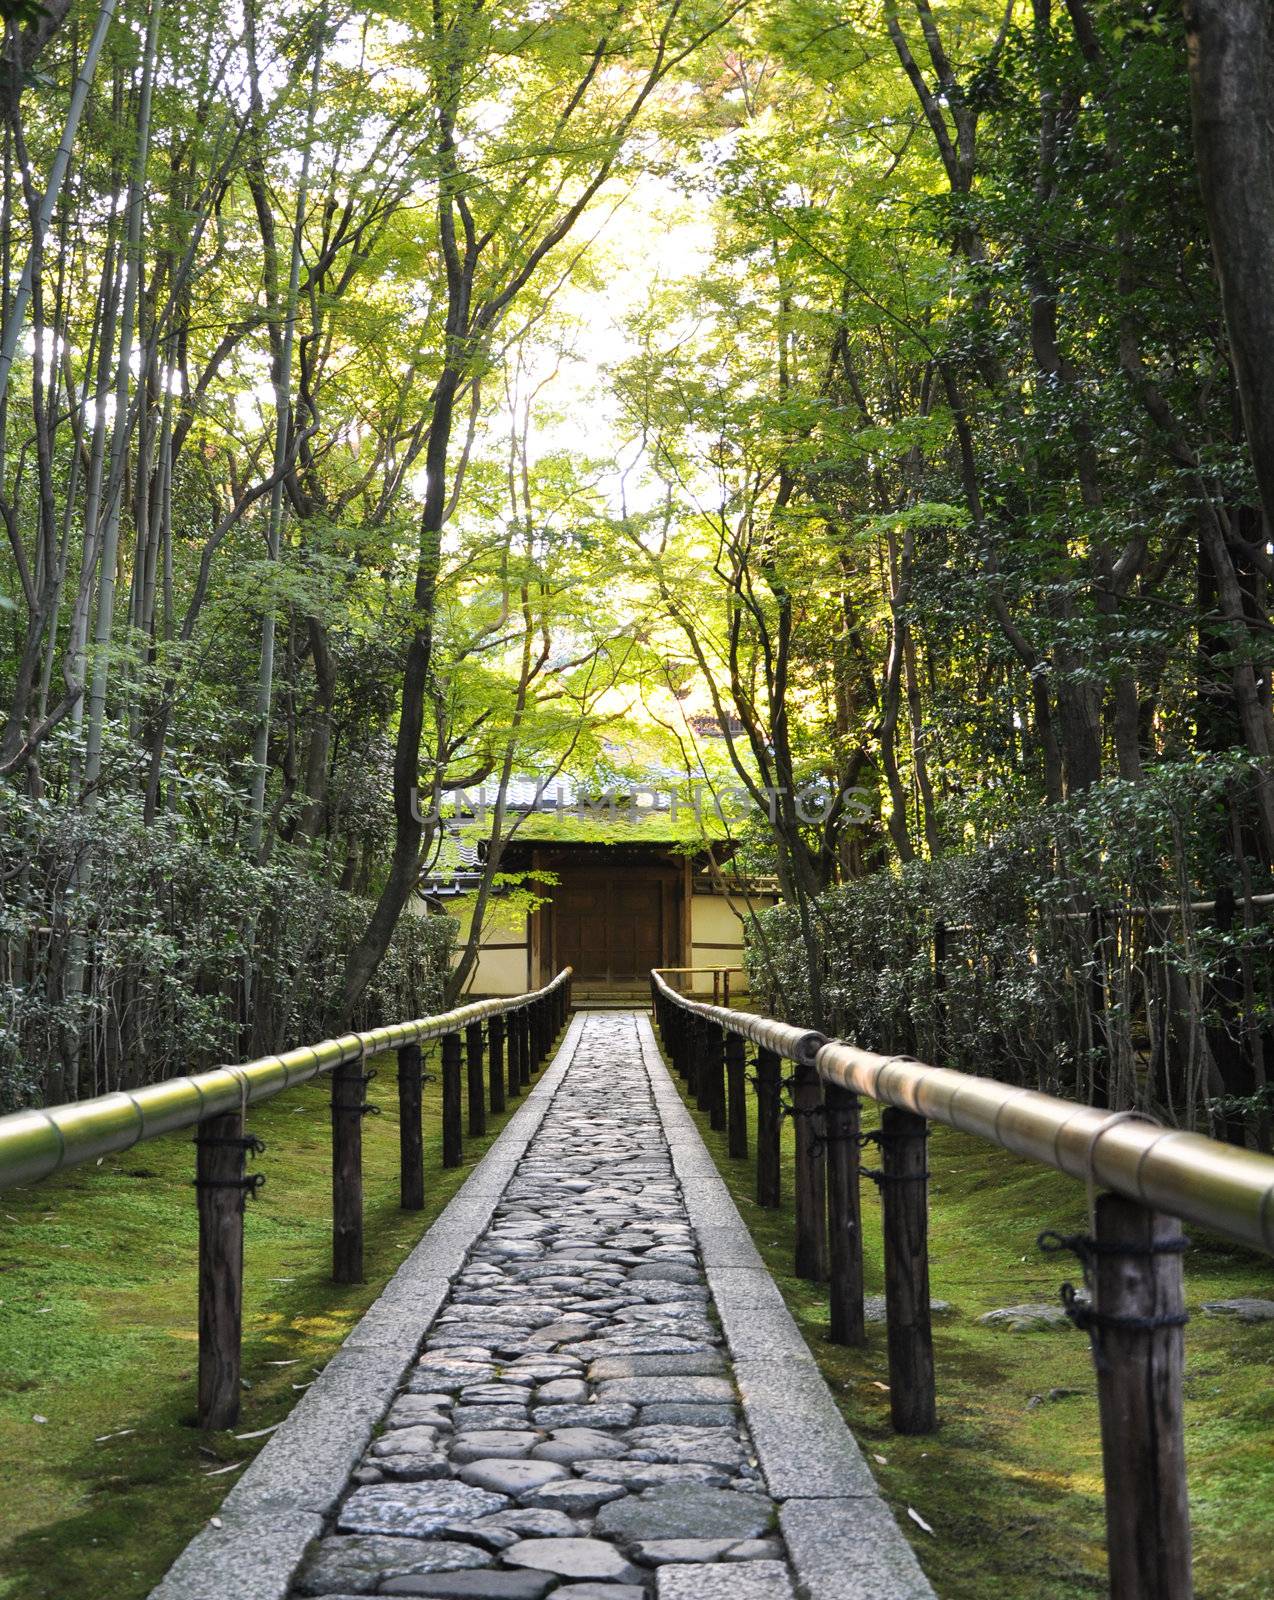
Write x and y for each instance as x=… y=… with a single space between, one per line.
x=1231 y=55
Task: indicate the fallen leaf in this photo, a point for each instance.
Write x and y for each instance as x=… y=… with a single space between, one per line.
x=259 y=1433
x=876 y=1384
x=919 y=1520
x=883 y=1461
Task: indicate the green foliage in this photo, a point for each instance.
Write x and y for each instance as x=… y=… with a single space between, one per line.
x=164 y=932
x=986 y=960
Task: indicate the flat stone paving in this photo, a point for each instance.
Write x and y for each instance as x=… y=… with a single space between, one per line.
x=571 y=1427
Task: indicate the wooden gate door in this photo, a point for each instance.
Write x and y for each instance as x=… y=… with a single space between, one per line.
x=610 y=928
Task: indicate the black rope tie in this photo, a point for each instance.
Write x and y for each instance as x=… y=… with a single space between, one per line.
x=801 y=1111
x=1083 y=1316
x=363 y=1107
x=822 y=1140
x=1077 y=1307
x=249 y=1183
x=248 y=1142
x=878 y=1178
x=879 y=1136
x=1087 y=1249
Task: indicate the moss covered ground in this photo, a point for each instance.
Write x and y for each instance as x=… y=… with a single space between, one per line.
x=97 y=1339
x=1011 y=1482
x=103 y=1476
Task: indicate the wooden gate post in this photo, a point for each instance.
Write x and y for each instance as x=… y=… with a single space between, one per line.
x=475 y=1086
x=495 y=1062
x=349 y=1103
x=810 y=1181
x=714 y=1068
x=769 y=1128
x=904 y=1198
x=220 y=1191
x=844 y=1217
x=514 y=1037
x=411 y=1142
x=452 y=1136
x=1137 y=1325
x=737 y=1090
x=523 y=1018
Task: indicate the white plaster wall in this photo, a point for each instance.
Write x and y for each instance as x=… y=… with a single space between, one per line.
x=497 y=972
x=716 y=937
x=500 y=972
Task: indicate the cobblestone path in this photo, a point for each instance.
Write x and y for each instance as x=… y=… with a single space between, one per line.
x=571 y=1427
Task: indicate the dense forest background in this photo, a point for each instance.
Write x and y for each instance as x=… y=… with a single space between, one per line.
x=400 y=399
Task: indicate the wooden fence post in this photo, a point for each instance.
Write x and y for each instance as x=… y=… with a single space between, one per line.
x=540 y=1025
x=220 y=1191
x=714 y=1069
x=523 y=1019
x=452 y=1136
x=495 y=1062
x=844 y=1217
x=514 y=1037
x=411 y=1142
x=769 y=1128
x=701 y=1070
x=476 y=1089
x=349 y=1102
x=810 y=1178
x=1137 y=1326
x=737 y=1090
x=674 y=1037
x=904 y=1197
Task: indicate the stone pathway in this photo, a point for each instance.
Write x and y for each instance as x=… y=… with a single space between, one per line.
x=571 y=1427
x=581 y=1383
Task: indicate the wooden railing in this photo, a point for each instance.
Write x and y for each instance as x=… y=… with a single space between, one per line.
x=38 y=1143
x=1134 y=1308
x=720 y=979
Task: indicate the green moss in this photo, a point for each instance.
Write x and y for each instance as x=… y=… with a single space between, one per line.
x=1013 y=1489
x=98 y=1337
